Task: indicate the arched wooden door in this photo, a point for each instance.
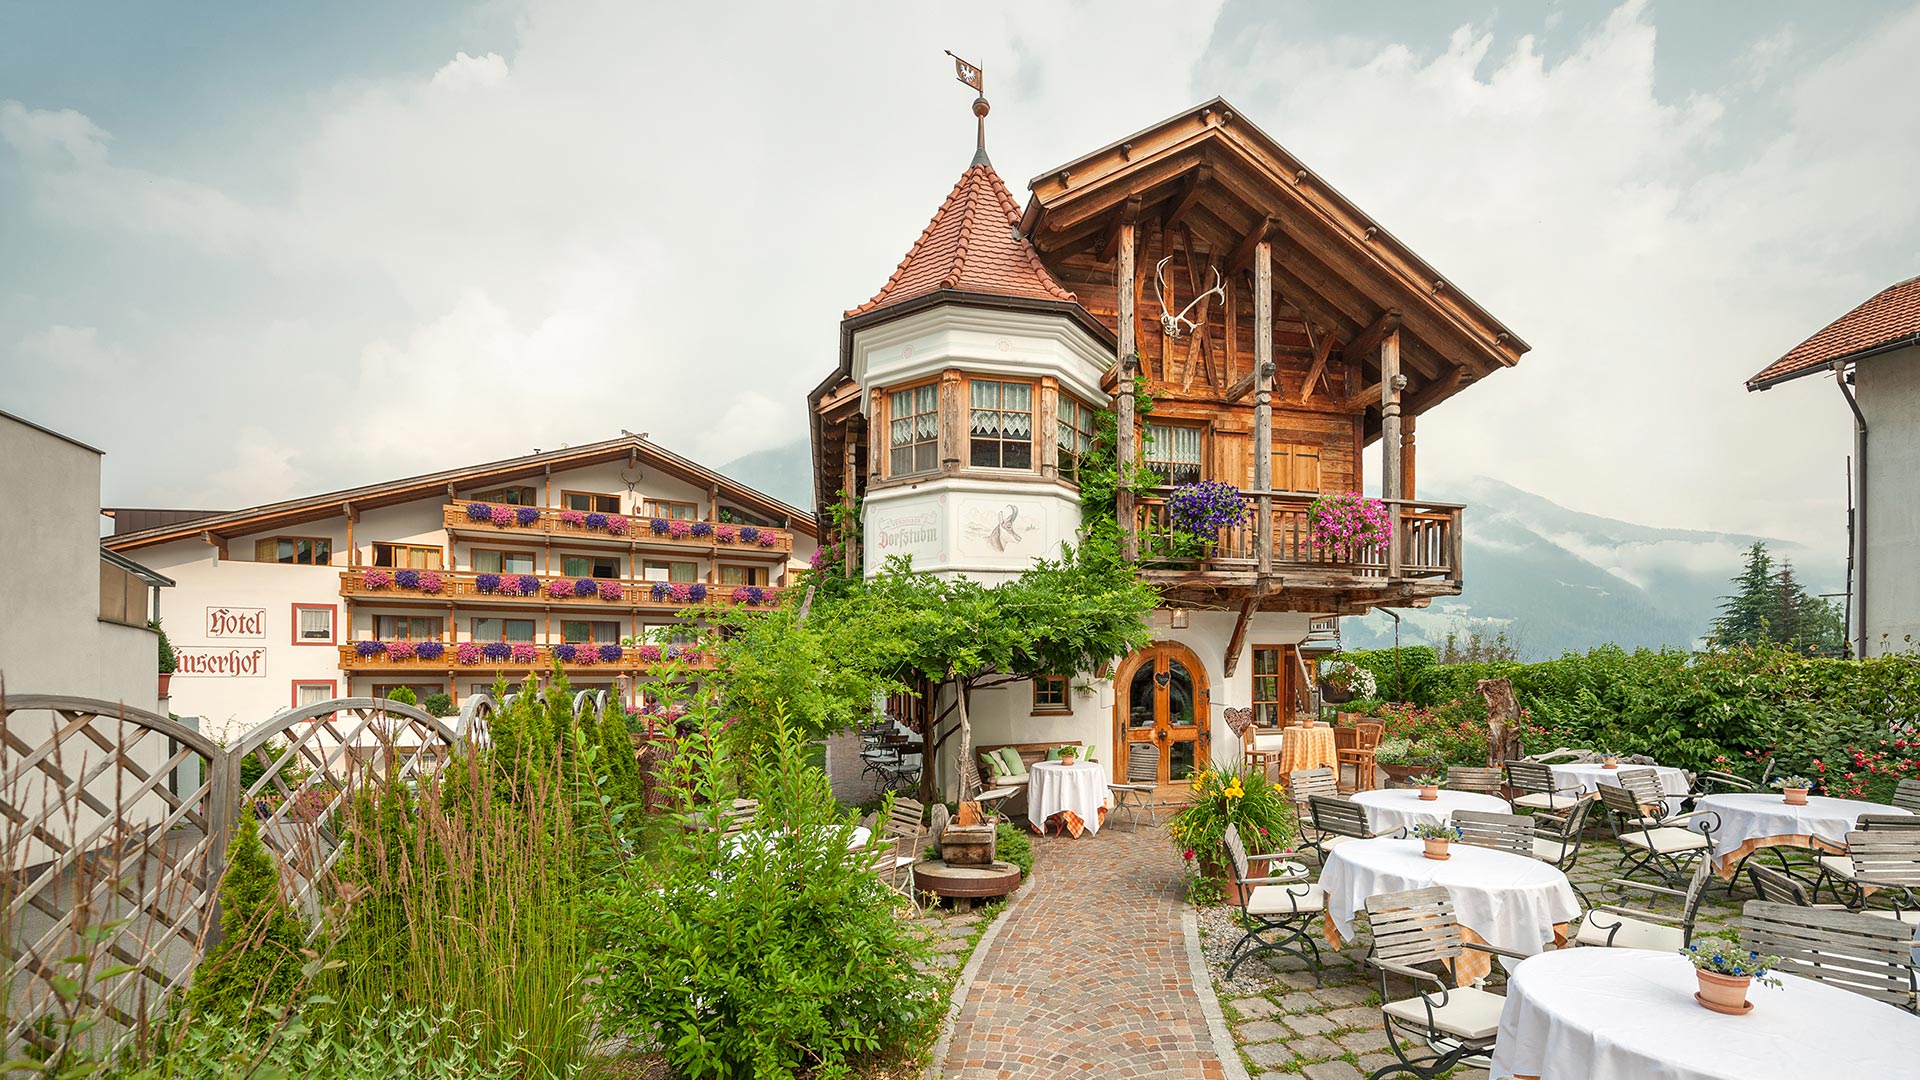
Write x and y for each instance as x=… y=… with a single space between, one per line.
x=1160 y=707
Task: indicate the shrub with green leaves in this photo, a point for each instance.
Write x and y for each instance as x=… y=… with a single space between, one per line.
x=1012 y=845
x=773 y=952
x=393 y=1042
x=1225 y=795
x=439 y=704
x=252 y=974
x=403 y=695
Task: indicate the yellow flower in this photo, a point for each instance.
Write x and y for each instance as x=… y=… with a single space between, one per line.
x=1234 y=790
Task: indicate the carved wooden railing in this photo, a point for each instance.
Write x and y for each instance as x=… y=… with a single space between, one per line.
x=1426 y=541
x=614 y=594
x=617 y=528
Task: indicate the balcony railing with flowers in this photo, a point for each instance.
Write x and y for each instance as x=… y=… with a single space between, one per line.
x=483 y=657
x=539 y=590
x=1424 y=539
x=619 y=528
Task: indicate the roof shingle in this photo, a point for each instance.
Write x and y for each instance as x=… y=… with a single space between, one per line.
x=972 y=245
x=1892 y=313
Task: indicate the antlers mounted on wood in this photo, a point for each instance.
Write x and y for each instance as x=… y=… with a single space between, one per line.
x=1171 y=324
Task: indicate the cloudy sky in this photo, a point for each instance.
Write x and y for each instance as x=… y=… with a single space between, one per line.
x=256 y=251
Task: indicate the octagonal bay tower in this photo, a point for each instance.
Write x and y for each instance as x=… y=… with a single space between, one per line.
x=967 y=387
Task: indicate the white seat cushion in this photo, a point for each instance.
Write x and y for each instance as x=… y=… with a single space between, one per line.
x=1632 y=933
x=1838 y=865
x=1329 y=840
x=1286 y=899
x=1470 y=1012
x=1665 y=840
x=1548 y=850
x=1540 y=800
x=1912 y=918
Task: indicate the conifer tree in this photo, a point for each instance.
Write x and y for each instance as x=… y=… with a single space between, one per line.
x=255 y=969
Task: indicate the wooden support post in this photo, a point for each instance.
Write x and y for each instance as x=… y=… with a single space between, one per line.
x=1407 y=457
x=1392 y=477
x=1123 y=286
x=353 y=553
x=1047 y=453
x=1239 y=636
x=1263 y=402
x=952 y=436
x=849 y=528
x=876 y=436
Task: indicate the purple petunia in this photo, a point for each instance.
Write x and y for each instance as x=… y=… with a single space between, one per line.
x=367 y=650
x=429 y=650
x=496 y=651
x=610 y=653
x=659 y=526
x=749 y=535
x=1201 y=510
x=660 y=591
x=567 y=653
x=524 y=653
x=596 y=521
x=702 y=528
x=526 y=515
x=697 y=594
x=749 y=594
x=527 y=584
x=467 y=652
x=479 y=512
x=611 y=590
x=407 y=579
x=586 y=586
x=486 y=583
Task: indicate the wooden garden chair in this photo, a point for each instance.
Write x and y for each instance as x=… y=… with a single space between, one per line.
x=1491 y=829
x=1337 y=820
x=989 y=798
x=1142 y=789
x=1303 y=784
x=1416 y=935
x=1906 y=795
x=1617 y=927
x=1556 y=840
x=1779 y=887
x=1868 y=956
x=1366 y=739
x=1535 y=787
x=1875 y=859
x=1279 y=910
x=1483 y=781
x=1654 y=842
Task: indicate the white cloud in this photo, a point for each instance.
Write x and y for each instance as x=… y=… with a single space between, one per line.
x=52 y=137
x=463 y=71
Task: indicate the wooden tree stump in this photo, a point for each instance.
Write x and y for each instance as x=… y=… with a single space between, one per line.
x=1503 y=721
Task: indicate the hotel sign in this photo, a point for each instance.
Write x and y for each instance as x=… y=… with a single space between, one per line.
x=236 y=622
x=220 y=662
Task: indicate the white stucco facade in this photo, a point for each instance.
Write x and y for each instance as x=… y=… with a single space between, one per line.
x=1888 y=388
x=53 y=637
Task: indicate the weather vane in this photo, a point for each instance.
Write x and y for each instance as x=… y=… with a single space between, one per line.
x=970 y=75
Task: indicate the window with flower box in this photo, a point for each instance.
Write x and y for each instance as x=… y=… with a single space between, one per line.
x=1000 y=424
x=1075 y=435
x=595 y=566
x=590 y=502
x=520 y=495
x=584 y=632
x=417 y=556
x=502 y=562
x=670 y=509
x=294 y=550
x=913 y=430
x=406 y=627
x=1050 y=694
x=1172 y=452
x=490 y=629
x=672 y=571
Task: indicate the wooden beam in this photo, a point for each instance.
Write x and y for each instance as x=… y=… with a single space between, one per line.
x=1242 y=255
x=1263 y=402
x=1124 y=286
x=1239 y=636
x=1127 y=214
x=1392 y=472
x=1433 y=393
x=1322 y=349
x=1364 y=397
x=1241 y=387
x=1197 y=181
x=1366 y=341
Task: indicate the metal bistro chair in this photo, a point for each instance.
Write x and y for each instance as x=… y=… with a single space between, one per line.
x=1482 y=781
x=1303 y=784
x=1412 y=933
x=1489 y=829
x=1875 y=859
x=1652 y=841
x=1722 y=781
x=1536 y=788
x=1142 y=789
x=1275 y=904
x=1336 y=821
x=1869 y=956
x=1617 y=927
x=1556 y=841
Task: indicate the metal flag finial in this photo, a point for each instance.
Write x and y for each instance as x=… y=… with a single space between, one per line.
x=970 y=75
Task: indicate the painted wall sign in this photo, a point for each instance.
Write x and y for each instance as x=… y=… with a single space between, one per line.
x=236 y=622
x=906 y=531
x=220 y=663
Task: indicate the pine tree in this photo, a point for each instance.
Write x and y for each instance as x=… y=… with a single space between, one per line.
x=257 y=965
x=1745 y=615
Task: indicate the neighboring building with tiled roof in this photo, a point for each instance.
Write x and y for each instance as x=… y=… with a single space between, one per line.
x=972 y=245
x=1875 y=351
x=1890 y=319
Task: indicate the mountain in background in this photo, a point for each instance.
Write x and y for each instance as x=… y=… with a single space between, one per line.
x=1556 y=580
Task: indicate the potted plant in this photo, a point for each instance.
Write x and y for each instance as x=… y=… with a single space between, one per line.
x=1430 y=786
x=1201 y=510
x=1726 y=970
x=1343 y=680
x=1609 y=759
x=1436 y=838
x=1795 y=789
x=1400 y=761
x=168 y=662
x=1069 y=755
x=1346 y=524
x=1228 y=795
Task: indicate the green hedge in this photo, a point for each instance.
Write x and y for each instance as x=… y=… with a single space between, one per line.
x=1822 y=717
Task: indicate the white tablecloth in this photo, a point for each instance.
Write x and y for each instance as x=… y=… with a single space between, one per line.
x=1746 y=817
x=1054 y=787
x=1589 y=777
x=1628 y=1014
x=1395 y=808
x=1511 y=901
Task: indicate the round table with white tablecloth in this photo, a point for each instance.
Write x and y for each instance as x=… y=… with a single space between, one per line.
x=1629 y=1014
x=1588 y=776
x=1511 y=901
x=1403 y=808
x=1079 y=789
x=1750 y=821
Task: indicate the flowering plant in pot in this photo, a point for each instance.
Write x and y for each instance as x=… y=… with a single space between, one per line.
x=1228 y=795
x=616 y=525
x=1343 y=680
x=612 y=590
x=725 y=534
x=429 y=650
x=467 y=652
x=1725 y=970
x=596 y=520
x=749 y=534
x=679 y=530
x=1436 y=838
x=503 y=516
x=1795 y=789
x=1609 y=759
x=525 y=515
x=1201 y=510
x=479 y=512
x=573 y=518
x=375 y=579
x=1398 y=759
x=1349 y=523
x=1430 y=786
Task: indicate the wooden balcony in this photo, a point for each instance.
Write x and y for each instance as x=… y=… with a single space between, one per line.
x=1275 y=562
x=469 y=658
x=702 y=537
x=549 y=590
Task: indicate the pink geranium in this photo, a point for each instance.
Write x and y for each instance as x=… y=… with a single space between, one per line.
x=502 y=516
x=376 y=579
x=574 y=518
x=647 y=654
x=769 y=539
x=726 y=534
x=467 y=652
x=525 y=654
x=679 y=530
x=611 y=590
x=399 y=650
x=431 y=582
x=616 y=525
x=558 y=590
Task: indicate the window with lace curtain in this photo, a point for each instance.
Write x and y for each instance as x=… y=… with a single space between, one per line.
x=1075 y=435
x=1173 y=453
x=313 y=624
x=1000 y=424
x=913 y=430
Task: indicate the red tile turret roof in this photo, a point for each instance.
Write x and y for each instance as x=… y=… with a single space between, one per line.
x=1893 y=313
x=972 y=245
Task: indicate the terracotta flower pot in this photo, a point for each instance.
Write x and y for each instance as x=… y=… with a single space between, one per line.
x=1723 y=993
x=1068 y=760
x=1610 y=763
x=1436 y=849
x=166 y=682
x=1796 y=796
x=1429 y=792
